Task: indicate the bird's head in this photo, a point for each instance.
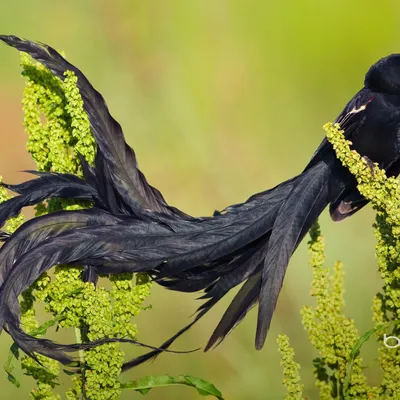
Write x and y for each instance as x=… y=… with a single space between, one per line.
x=384 y=76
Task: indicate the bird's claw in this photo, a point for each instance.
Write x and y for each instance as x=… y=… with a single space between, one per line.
x=370 y=164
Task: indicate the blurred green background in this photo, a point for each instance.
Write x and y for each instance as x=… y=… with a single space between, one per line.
x=220 y=99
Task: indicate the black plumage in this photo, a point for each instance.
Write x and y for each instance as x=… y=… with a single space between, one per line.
x=132 y=228
x=47 y=186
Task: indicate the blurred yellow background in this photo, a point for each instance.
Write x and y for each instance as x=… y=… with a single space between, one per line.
x=220 y=99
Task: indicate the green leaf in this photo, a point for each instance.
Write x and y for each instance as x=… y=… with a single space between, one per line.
x=356 y=350
x=9 y=366
x=203 y=387
x=14 y=350
x=69 y=373
x=42 y=329
x=143 y=385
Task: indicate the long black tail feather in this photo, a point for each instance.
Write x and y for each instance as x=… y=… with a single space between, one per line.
x=48 y=185
x=32 y=233
x=57 y=351
x=244 y=300
x=305 y=203
x=120 y=158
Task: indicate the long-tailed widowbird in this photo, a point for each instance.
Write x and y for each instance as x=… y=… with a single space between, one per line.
x=132 y=228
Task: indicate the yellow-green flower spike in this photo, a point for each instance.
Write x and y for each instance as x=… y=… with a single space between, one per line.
x=291 y=377
x=58 y=130
x=384 y=195
x=332 y=334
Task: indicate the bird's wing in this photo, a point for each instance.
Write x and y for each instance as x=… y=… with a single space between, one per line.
x=350 y=120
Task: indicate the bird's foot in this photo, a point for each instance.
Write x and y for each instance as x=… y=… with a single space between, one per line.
x=370 y=164
x=4 y=236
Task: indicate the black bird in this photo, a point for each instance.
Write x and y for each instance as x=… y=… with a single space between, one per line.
x=132 y=228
